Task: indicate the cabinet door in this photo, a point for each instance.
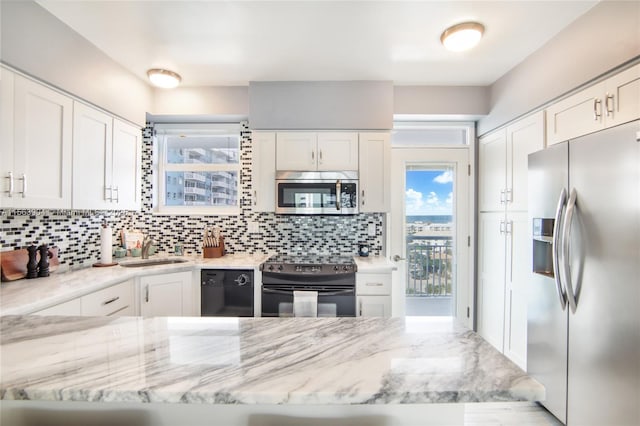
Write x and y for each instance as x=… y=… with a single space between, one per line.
x=6 y=136
x=491 y=276
x=576 y=115
x=338 y=151
x=524 y=137
x=166 y=295
x=263 y=172
x=492 y=171
x=519 y=254
x=296 y=151
x=622 y=102
x=373 y=306
x=42 y=146
x=374 y=168
x=127 y=166
x=92 y=158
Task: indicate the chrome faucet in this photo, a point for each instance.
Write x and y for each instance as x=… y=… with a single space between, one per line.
x=146 y=245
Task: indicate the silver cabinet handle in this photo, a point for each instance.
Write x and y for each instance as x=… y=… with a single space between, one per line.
x=502 y=227
x=509 y=192
x=503 y=198
x=363 y=197
x=397 y=258
x=608 y=106
x=313 y=156
x=509 y=227
x=111 y=300
x=338 y=195
x=110 y=196
x=320 y=156
x=360 y=307
x=566 y=237
x=374 y=284
x=117 y=191
x=10 y=177
x=24 y=185
x=146 y=294
x=255 y=197
x=597 y=109
x=555 y=248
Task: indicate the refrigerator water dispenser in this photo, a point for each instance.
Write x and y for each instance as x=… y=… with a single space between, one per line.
x=543 y=246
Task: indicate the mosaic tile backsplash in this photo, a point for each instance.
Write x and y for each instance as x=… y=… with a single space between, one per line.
x=77 y=233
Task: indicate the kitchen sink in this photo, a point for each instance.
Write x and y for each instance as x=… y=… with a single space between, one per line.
x=150 y=262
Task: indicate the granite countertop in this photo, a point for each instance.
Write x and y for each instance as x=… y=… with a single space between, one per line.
x=29 y=296
x=254 y=361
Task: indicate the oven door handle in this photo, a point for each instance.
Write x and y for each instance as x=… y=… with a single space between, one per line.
x=320 y=293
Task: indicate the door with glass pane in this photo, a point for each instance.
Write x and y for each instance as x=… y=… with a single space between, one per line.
x=429 y=235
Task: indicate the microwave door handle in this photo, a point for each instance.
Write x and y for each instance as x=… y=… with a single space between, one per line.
x=338 y=190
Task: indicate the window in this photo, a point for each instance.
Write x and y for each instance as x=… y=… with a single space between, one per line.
x=198 y=168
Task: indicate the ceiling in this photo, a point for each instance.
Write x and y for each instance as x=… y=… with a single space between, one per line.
x=234 y=42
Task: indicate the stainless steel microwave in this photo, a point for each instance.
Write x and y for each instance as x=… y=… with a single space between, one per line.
x=317 y=192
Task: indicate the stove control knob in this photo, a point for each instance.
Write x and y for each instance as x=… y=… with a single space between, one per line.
x=270 y=267
x=335 y=268
x=345 y=268
x=279 y=267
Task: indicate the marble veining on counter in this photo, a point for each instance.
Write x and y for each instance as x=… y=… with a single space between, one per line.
x=254 y=361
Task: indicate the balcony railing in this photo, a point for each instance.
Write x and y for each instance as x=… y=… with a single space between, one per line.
x=429 y=266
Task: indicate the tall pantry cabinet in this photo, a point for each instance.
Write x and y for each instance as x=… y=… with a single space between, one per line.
x=504 y=234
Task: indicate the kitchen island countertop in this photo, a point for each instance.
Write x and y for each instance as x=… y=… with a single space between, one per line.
x=254 y=361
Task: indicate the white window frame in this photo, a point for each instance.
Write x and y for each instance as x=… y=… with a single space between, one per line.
x=160 y=167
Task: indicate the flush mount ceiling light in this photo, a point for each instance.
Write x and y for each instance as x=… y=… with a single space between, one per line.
x=462 y=36
x=164 y=78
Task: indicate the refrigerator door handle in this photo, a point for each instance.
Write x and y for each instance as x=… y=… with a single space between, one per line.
x=562 y=201
x=566 y=234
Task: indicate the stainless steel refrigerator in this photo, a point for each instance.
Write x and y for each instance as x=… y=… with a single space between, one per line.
x=583 y=340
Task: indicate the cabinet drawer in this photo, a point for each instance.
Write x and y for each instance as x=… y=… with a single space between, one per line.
x=114 y=300
x=373 y=283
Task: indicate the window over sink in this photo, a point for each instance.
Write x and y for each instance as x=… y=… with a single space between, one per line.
x=196 y=168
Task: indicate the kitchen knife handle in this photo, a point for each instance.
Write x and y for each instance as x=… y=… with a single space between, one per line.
x=597 y=109
x=10 y=177
x=566 y=240
x=555 y=248
x=24 y=185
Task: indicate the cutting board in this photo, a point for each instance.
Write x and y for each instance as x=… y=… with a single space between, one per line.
x=14 y=263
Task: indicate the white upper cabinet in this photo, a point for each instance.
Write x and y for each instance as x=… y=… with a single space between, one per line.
x=36 y=144
x=613 y=101
x=106 y=161
x=263 y=171
x=92 y=158
x=311 y=151
x=492 y=171
x=127 y=166
x=374 y=172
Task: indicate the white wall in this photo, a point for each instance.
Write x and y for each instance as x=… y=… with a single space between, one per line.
x=37 y=43
x=468 y=101
x=605 y=37
x=218 y=100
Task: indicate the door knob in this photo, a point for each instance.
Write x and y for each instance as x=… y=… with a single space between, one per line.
x=397 y=258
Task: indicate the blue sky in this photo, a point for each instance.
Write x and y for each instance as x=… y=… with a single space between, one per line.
x=429 y=192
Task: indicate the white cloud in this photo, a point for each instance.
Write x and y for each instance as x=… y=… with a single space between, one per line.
x=449 y=200
x=445 y=177
x=414 y=201
x=432 y=199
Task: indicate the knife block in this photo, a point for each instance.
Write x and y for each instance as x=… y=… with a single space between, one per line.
x=211 y=252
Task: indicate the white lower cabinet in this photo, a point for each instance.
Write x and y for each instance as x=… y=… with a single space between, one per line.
x=373 y=294
x=70 y=308
x=117 y=300
x=167 y=295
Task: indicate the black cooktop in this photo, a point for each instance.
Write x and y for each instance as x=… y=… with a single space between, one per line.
x=309 y=264
x=310 y=259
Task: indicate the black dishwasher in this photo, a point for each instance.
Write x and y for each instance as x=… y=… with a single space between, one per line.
x=226 y=293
